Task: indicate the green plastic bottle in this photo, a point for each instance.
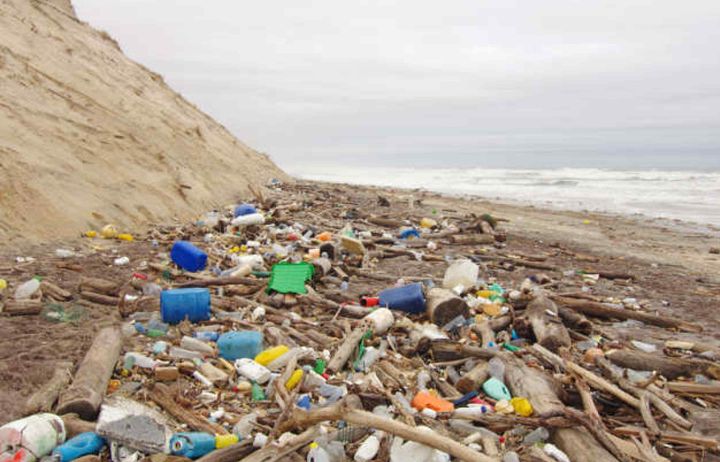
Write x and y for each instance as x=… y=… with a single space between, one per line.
x=257 y=392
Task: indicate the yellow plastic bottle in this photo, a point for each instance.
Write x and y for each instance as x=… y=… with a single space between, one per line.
x=294 y=379
x=271 y=354
x=126 y=237
x=3 y=284
x=223 y=441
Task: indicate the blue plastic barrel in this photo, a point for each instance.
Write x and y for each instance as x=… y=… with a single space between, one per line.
x=82 y=445
x=188 y=257
x=192 y=445
x=240 y=344
x=407 y=298
x=178 y=304
x=244 y=209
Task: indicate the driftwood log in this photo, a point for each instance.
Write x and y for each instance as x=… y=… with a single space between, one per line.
x=303 y=419
x=671 y=368
x=91 y=379
x=474 y=378
x=161 y=395
x=602 y=310
x=548 y=328
x=443 y=306
x=44 y=399
x=535 y=385
x=342 y=355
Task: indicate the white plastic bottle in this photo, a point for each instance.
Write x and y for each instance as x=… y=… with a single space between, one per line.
x=27 y=289
x=247 y=220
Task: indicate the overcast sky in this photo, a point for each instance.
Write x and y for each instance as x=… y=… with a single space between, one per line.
x=501 y=83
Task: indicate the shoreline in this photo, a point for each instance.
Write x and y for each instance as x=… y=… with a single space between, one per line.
x=654 y=240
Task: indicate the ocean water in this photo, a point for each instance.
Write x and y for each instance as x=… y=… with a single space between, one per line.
x=691 y=196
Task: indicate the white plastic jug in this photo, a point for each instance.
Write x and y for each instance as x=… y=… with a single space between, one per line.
x=461 y=272
x=382 y=320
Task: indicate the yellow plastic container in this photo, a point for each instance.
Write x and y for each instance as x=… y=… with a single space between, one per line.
x=427 y=223
x=484 y=293
x=271 y=354
x=91 y=234
x=126 y=237
x=223 y=441
x=294 y=379
x=522 y=407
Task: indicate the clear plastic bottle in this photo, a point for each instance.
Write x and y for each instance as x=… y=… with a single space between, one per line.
x=139 y=360
x=536 y=436
x=193 y=344
x=27 y=289
x=181 y=353
x=423 y=379
x=496 y=368
x=511 y=456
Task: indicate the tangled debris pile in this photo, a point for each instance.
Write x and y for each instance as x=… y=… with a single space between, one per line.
x=304 y=326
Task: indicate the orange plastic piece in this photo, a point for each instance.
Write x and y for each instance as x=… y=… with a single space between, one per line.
x=425 y=399
x=324 y=237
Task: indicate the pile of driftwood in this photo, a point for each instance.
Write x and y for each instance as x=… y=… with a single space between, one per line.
x=558 y=348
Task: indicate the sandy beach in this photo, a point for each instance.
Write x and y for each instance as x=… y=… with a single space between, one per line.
x=673 y=273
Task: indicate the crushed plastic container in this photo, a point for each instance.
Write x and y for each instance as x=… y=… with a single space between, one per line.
x=409 y=298
x=240 y=344
x=425 y=399
x=178 y=304
x=252 y=371
x=192 y=445
x=188 y=257
x=81 y=445
x=28 y=439
x=461 y=272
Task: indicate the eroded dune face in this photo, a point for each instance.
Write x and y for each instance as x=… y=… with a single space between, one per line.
x=88 y=136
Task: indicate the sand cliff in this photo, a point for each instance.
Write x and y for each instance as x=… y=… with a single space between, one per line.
x=88 y=137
